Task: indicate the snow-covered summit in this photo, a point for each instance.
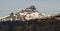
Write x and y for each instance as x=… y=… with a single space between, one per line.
x=26 y=14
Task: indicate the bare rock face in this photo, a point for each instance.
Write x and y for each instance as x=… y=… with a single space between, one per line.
x=26 y=14
x=31 y=7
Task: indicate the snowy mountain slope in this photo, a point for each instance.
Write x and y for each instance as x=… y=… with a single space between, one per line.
x=26 y=14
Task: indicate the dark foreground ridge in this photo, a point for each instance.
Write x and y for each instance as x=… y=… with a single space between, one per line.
x=31 y=25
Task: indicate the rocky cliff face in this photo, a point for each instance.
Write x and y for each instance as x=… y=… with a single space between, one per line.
x=26 y=14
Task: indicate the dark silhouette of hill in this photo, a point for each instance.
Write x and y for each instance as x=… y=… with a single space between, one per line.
x=49 y=24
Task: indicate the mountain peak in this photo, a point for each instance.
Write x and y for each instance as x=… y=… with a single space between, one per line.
x=31 y=7
x=26 y=14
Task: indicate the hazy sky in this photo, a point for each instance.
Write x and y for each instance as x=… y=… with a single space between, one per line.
x=43 y=6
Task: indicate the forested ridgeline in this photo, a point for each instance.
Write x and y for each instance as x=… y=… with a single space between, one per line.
x=31 y=25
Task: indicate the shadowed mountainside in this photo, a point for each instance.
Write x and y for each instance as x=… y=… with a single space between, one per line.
x=49 y=24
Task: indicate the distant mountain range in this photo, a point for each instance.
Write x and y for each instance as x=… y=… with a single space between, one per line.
x=28 y=14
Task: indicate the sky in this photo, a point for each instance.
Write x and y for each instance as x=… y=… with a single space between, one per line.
x=43 y=6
